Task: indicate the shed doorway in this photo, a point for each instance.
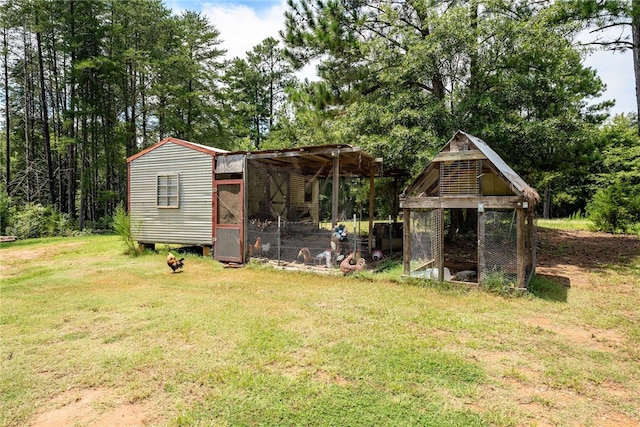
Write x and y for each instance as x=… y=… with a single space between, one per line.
x=228 y=220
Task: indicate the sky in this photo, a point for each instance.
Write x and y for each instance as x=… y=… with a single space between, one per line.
x=243 y=24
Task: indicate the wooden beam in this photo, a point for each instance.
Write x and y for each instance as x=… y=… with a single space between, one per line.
x=481 y=246
x=406 y=239
x=521 y=254
x=371 y=203
x=335 y=188
x=462 y=202
x=450 y=156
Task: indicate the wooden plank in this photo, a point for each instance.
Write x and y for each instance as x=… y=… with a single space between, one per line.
x=461 y=202
x=5 y=239
x=406 y=237
x=371 y=206
x=451 y=156
x=334 y=190
x=521 y=254
x=481 y=248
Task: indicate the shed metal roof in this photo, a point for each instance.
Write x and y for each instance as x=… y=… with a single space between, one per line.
x=188 y=144
x=318 y=160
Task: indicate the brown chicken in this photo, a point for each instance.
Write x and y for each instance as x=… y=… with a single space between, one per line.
x=174 y=263
x=259 y=248
x=305 y=255
x=346 y=267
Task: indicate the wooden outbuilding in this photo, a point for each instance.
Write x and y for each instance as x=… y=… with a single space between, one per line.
x=180 y=192
x=468 y=183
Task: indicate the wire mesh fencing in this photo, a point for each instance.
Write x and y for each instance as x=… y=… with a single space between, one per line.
x=500 y=245
x=426 y=248
x=303 y=243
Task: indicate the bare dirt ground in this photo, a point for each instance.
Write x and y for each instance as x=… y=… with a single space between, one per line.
x=92 y=407
x=573 y=255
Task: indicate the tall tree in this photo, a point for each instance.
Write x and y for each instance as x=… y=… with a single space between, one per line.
x=257 y=90
x=612 y=24
x=410 y=73
x=4 y=9
x=44 y=110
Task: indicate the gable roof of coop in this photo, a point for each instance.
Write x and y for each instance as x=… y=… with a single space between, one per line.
x=463 y=146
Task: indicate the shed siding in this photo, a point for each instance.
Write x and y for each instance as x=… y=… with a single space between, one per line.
x=191 y=222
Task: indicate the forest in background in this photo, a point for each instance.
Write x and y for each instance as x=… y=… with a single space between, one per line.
x=87 y=83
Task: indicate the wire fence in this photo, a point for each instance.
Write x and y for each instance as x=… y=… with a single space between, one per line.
x=500 y=244
x=304 y=242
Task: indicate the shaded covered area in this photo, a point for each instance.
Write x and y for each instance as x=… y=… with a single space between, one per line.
x=297 y=203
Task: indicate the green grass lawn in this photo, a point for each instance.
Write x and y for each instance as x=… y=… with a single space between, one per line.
x=565 y=223
x=256 y=346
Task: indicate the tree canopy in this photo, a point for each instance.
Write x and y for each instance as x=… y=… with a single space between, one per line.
x=87 y=83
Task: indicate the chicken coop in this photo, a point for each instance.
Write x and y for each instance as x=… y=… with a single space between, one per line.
x=288 y=204
x=469 y=217
x=277 y=204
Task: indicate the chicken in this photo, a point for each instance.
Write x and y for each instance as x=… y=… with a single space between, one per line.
x=258 y=247
x=346 y=267
x=305 y=254
x=174 y=263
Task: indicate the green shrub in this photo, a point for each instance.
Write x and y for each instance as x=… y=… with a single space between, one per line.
x=496 y=282
x=616 y=208
x=126 y=230
x=36 y=220
x=5 y=209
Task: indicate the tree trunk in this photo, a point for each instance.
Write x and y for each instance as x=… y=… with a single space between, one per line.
x=45 y=119
x=7 y=127
x=72 y=152
x=635 y=32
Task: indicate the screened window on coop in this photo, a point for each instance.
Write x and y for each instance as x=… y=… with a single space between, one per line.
x=167 y=187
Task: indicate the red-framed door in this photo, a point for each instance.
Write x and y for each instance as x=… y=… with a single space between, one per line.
x=228 y=220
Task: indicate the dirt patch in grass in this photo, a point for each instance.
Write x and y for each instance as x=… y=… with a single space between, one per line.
x=14 y=256
x=92 y=407
x=574 y=255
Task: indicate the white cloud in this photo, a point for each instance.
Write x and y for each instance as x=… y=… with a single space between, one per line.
x=242 y=27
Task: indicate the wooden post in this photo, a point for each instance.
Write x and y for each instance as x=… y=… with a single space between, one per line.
x=440 y=216
x=532 y=240
x=521 y=254
x=371 y=200
x=406 y=240
x=335 y=188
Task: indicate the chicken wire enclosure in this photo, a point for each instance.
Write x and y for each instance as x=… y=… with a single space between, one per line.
x=291 y=202
x=489 y=212
x=426 y=247
x=498 y=245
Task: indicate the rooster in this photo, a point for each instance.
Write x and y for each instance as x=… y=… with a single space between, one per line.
x=346 y=267
x=173 y=262
x=258 y=247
